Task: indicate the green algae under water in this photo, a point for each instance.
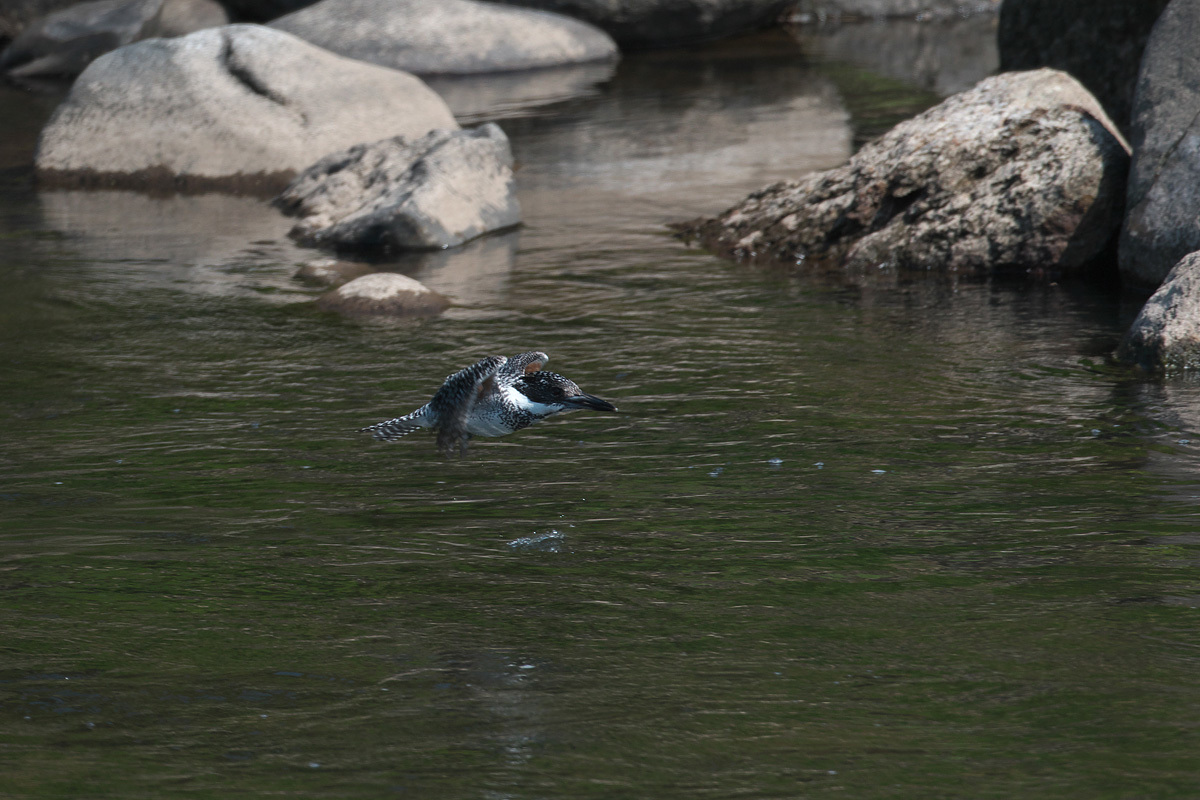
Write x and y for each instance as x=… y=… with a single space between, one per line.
x=909 y=539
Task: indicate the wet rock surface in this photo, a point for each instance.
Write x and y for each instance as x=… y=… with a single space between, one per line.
x=666 y=23
x=1022 y=172
x=1166 y=334
x=1163 y=221
x=439 y=191
x=448 y=37
x=1099 y=42
x=386 y=294
x=237 y=107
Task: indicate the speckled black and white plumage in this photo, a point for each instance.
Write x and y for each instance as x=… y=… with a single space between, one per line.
x=492 y=397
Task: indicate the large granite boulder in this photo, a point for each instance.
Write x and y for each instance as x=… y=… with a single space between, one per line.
x=237 y=107
x=1166 y=334
x=384 y=294
x=1162 y=224
x=1099 y=42
x=66 y=41
x=439 y=191
x=667 y=23
x=1023 y=172
x=447 y=37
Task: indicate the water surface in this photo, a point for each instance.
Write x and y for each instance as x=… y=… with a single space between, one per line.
x=901 y=537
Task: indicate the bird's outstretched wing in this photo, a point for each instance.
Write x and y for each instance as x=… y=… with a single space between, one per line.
x=452 y=404
x=519 y=365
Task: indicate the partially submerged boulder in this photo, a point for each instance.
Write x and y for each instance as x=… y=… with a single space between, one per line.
x=237 y=107
x=1162 y=224
x=1166 y=334
x=1023 y=172
x=447 y=37
x=386 y=294
x=439 y=191
x=65 y=42
x=667 y=23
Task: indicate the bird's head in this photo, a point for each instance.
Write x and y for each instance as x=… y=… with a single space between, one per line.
x=561 y=394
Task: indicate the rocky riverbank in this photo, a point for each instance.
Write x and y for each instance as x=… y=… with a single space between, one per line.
x=1027 y=172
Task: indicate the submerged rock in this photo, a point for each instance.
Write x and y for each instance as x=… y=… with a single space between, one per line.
x=383 y=294
x=1099 y=42
x=65 y=42
x=439 y=191
x=667 y=23
x=1166 y=334
x=447 y=37
x=1022 y=172
x=240 y=106
x=1163 y=221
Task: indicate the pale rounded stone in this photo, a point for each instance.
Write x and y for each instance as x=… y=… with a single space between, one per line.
x=383 y=294
x=231 y=107
x=448 y=37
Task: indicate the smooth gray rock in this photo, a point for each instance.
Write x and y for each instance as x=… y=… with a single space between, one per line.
x=386 y=294
x=447 y=37
x=1166 y=334
x=666 y=23
x=1162 y=224
x=442 y=190
x=1023 y=172
x=65 y=42
x=237 y=107
x=1099 y=42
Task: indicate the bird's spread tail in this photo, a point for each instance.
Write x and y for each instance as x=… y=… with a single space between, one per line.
x=393 y=429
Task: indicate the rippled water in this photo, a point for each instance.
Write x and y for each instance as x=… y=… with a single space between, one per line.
x=880 y=537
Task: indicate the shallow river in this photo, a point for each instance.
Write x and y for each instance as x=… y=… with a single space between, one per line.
x=872 y=538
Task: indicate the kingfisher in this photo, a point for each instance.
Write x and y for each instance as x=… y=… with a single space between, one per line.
x=493 y=397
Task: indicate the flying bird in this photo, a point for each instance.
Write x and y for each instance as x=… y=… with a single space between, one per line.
x=493 y=397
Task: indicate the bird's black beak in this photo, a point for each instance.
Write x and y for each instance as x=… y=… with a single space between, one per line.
x=590 y=402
